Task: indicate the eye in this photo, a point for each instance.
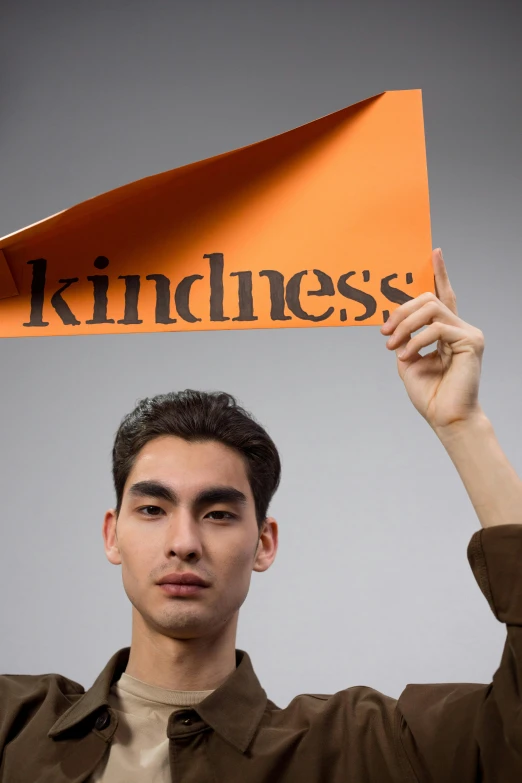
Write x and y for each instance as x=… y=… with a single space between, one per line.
x=221 y=515
x=151 y=511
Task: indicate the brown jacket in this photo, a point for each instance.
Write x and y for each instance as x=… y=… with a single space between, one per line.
x=52 y=731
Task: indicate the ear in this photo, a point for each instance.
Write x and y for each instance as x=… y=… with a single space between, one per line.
x=267 y=545
x=110 y=538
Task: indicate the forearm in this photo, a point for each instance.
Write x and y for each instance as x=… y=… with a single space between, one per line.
x=490 y=480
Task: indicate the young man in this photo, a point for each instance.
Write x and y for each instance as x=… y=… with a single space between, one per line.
x=194 y=475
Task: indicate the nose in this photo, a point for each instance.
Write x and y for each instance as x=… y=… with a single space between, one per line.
x=183 y=537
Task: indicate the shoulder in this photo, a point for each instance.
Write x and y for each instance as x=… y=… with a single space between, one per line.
x=359 y=704
x=355 y=728
x=24 y=695
x=424 y=710
x=24 y=686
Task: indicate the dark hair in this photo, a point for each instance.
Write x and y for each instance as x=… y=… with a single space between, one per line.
x=199 y=416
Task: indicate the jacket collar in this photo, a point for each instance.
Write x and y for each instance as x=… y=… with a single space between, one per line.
x=96 y=697
x=233 y=710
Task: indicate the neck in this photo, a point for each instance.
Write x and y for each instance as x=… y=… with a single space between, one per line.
x=199 y=664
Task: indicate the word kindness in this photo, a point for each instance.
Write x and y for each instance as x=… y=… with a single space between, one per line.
x=288 y=299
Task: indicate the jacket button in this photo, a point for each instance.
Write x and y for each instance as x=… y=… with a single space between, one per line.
x=102 y=721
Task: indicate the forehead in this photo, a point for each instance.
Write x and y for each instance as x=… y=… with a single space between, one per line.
x=190 y=465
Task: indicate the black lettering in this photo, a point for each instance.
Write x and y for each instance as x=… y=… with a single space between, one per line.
x=61 y=306
x=162 y=299
x=326 y=282
x=394 y=295
x=100 y=285
x=37 y=293
x=246 y=301
x=293 y=291
x=277 y=294
x=182 y=295
x=216 y=286
x=357 y=295
x=132 y=292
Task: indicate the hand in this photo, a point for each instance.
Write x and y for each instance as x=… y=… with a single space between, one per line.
x=443 y=385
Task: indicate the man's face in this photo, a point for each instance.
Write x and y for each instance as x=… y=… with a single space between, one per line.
x=188 y=507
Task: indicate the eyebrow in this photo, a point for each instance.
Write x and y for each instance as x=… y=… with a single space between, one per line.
x=216 y=494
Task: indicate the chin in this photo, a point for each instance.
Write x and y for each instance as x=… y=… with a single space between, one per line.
x=183 y=625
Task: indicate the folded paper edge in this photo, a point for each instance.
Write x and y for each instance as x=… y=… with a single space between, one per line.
x=8 y=239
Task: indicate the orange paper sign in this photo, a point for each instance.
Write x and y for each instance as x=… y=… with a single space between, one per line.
x=325 y=225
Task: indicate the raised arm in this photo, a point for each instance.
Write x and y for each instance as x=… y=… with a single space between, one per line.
x=465 y=733
x=444 y=386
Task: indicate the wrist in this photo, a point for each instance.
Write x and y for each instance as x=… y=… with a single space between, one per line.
x=475 y=425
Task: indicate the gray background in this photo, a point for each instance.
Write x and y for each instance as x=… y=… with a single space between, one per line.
x=371 y=585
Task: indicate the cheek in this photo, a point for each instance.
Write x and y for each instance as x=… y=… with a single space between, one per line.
x=237 y=565
x=137 y=558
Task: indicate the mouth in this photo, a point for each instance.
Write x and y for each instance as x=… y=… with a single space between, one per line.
x=181 y=590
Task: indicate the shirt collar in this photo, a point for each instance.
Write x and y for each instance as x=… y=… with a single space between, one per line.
x=234 y=710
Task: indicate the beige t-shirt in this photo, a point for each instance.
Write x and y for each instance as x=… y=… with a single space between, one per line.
x=140 y=746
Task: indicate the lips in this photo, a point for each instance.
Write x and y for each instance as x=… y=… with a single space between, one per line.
x=183 y=579
x=181 y=590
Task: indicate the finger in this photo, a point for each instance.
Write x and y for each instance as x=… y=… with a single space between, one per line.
x=432 y=310
x=436 y=331
x=443 y=287
x=406 y=309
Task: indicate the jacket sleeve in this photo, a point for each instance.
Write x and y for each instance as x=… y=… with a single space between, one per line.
x=468 y=733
